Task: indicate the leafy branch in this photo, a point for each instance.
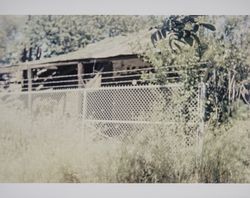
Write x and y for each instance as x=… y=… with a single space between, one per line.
x=181 y=30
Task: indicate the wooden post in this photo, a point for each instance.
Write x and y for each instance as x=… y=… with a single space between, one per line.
x=79 y=74
x=80 y=85
x=83 y=113
x=203 y=106
x=29 y=75
x=201 y=127
x=229 y=87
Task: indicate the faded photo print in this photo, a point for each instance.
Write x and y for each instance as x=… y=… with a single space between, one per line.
x=124 y=99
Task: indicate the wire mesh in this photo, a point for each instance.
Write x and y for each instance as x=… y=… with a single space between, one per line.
x=113 y=112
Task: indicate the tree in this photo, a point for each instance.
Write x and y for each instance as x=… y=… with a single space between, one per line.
x=10 y=35
x=222 y=54
x=181 y=29
x=57 y=35
x=226 y=79
x=48 y=36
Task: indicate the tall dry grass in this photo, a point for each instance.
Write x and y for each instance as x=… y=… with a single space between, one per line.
x=226 y=151
x=55 y=149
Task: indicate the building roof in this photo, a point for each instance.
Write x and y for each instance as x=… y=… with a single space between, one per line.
x=110 y=47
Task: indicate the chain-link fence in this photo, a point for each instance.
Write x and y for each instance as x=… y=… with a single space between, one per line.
x=112 y=112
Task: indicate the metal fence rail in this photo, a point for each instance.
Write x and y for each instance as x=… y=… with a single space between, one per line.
x=53 y=80
x=113 y=111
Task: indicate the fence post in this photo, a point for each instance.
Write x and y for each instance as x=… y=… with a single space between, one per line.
x=84 y=109
x=201 y=126
x=29 y=75
x=80 y=85
x=202 y=107
x=29 y=89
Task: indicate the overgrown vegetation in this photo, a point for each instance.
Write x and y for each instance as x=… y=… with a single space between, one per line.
x=225 y=155
x=220 y=60
x=195 y=54
x=58 y=150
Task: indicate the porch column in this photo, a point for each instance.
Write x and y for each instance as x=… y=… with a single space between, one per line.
x=79 y=74
x=80 y=85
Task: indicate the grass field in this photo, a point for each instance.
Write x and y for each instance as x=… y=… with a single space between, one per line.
x=59 y=150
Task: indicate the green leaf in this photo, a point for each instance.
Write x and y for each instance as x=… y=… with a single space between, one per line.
x=178 y=46
x=189 y=40
x=164 y=33
x=196 y=38
x=172 y=38
x=195 y=28
x=208 y=26
x=159 y=34
x=154 y=38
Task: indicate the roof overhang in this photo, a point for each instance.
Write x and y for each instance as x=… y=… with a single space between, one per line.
x=107 y=49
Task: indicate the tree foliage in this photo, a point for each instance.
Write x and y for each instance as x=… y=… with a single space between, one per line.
x=182 y=29
x=221 y=60
x=10 y=34
x=59 y=34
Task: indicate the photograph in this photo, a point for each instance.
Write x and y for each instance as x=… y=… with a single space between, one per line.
x=124 y=99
